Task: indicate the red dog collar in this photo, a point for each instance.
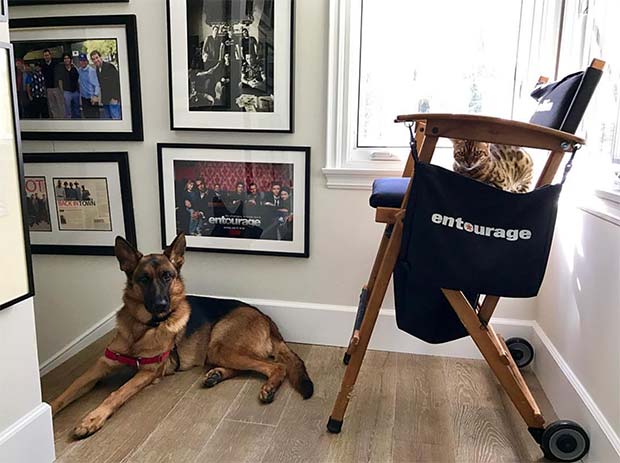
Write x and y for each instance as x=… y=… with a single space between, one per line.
x=135 y=361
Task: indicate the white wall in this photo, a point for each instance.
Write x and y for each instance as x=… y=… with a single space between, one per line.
x=22 y=415
x=579 y=311
x=74 y=293
x=20 y=390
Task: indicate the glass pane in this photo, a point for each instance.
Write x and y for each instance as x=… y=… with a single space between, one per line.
x=434 y=56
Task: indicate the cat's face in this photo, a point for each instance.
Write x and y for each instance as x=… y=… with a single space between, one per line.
x=469 y=153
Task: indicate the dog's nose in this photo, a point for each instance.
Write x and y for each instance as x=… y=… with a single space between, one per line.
x=161 y=305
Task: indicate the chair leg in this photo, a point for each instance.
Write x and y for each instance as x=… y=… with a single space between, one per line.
x=499 y=359
x=384 y=273
x=365 y=295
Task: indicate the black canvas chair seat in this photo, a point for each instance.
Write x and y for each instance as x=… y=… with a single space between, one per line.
x=388 y=192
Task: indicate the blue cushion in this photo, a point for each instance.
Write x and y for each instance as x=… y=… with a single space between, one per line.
x=388 y=192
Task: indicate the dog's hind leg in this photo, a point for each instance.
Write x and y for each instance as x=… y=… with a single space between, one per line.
x=232 y=360
x=83 y=384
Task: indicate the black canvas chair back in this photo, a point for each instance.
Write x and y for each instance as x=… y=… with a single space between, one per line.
x=464 y=235
x=562 y=104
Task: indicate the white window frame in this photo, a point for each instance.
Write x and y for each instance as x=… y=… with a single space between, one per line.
x=347 y=166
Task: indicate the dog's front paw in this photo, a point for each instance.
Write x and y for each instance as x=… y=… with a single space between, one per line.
x=212 y=377
x=89 y=425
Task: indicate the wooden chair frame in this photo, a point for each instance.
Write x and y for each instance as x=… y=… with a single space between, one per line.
x=428 y=129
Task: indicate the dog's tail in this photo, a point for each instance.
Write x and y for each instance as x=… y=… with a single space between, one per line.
x=295 y=367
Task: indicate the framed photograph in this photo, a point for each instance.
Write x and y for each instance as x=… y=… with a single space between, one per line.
x=231 y=65
x=14 y=245
x=77 y=203
x=78 y=78
x=55 y=2
x=241 y=199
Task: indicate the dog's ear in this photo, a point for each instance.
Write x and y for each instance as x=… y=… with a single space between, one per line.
x=127 y=255
x=176 y=251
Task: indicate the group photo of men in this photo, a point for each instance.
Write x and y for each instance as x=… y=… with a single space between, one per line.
x=68 y=80
x=230 y=55
x=37 y=206
x=256 y=207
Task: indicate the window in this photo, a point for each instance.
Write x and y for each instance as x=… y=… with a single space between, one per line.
x=390 y=57
x=417 y=58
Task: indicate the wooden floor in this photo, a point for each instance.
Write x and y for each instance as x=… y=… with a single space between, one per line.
x=406 y=408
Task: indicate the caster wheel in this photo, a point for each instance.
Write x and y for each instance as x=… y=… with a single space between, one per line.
x=522 y=351
x=565 y=441
x=346 y=359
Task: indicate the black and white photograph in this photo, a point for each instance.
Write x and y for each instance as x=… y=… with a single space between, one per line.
x=77 y=82
x=14 y=245
x=233 y=68
x=236 y=199
x=89 y=201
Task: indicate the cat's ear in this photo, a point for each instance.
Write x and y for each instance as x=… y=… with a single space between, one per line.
x=456 y=141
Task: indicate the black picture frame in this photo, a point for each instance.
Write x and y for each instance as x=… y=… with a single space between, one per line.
x=135 y=97
x=22 y=197
x=122 y=161
x=291 y=73
x=302 y=151
x=4 y=11
x=55 y=2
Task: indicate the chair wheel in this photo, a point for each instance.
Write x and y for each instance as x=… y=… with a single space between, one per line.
x=521 y=350
x=565 y=441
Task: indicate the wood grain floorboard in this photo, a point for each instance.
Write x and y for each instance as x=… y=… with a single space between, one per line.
x=182 y=434
x=237 y=442
x=251 y=410
x=422 y=426
x=301 y=435
x=405 y=409
x=369 y=422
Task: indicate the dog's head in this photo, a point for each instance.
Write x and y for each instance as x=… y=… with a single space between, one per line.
x=154 y=279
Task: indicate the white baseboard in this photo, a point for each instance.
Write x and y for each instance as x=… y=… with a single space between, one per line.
x=102 y=327
x=332 y=325
x=322 y=324
x=571 y=400
x=29 y=439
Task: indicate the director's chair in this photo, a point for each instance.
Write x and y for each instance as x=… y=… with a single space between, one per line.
x=548 y=130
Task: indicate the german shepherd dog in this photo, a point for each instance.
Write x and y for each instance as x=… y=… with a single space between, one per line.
x=160 y=330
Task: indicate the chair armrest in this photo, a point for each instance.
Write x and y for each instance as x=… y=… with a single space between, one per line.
x=494 y=130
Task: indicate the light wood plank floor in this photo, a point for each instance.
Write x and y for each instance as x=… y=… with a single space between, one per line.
x=406 y=408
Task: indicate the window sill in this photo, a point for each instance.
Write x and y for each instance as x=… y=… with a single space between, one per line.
x=604 y=204
x=356 y=178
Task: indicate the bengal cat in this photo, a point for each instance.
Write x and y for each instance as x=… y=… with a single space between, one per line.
x=508 y=168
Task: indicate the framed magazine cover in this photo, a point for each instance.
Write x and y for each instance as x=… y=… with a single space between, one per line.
x=78 y=77
x=231 y=65
x=14 y=245
x=77 y=203
x=236 y=199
